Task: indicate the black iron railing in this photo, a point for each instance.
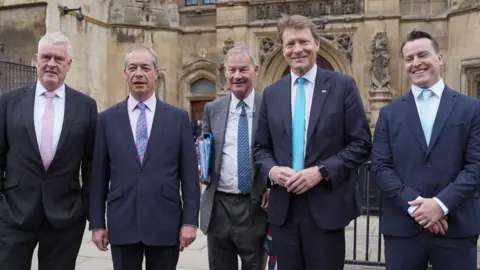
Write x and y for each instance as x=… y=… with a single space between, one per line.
x=14 y=75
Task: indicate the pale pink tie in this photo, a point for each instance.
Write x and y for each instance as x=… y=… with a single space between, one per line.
x=46 y=141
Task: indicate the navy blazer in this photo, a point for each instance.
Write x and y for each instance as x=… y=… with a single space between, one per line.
x=144 y=199
x=338 y=137
x=449 y=168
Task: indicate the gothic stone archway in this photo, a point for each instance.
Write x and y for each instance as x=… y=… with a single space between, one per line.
x=329 y=57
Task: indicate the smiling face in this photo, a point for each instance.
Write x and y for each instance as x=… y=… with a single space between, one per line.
x=299 y=49
x=53 y=63
x=240 y=72
x=141 y=74
x=422 y=62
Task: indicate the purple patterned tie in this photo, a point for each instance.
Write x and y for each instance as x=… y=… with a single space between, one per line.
x=141 y=132
x=46 y=141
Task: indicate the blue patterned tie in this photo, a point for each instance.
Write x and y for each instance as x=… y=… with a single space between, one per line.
x=299 y=127
x=243 y=152
x=426 y=114
x=141 y=132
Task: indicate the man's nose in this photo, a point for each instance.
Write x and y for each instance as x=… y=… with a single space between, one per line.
x=297 y=48
x=51 y=62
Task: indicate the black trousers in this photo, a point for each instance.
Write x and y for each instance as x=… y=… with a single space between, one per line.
x=444 y=253
x=301 y=245
x=230 y=235
x=130 y=257
x=57 y=248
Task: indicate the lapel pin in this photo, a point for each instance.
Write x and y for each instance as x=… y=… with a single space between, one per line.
x=324 y=91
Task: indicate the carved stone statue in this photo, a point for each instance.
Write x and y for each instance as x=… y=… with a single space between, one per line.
x=227 y=45
x=380 y=93
x=380 y=59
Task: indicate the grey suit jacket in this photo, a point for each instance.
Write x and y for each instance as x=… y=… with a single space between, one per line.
x=215 y=122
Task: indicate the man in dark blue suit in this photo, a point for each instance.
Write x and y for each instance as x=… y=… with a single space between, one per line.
x=144 y=156
x=426 y=160
x=312 y=132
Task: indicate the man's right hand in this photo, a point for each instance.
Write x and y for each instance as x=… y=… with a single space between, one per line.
x=281 y=175
x=440 y=227
x=100 y=238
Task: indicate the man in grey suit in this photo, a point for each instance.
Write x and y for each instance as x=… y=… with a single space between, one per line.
x=230 y=211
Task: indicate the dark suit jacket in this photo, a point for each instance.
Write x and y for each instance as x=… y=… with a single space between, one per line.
x=338 y=137
x=24 y=183
x=215 y=122
x=448 y=169
x=144 y=200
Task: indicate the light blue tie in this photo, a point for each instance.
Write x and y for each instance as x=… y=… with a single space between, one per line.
x=426 y=114
x=243 y=152
x=299 y=127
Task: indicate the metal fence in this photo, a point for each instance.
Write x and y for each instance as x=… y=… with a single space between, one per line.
x=14 y=75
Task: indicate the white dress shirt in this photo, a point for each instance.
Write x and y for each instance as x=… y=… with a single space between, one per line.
x=58 y=112
x=435 y=98
x=229 y=170
x=309 y=87
x=134 y=113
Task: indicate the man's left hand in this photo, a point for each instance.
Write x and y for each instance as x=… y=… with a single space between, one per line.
x=304 y=180
x=188 y=234
x=427 y=213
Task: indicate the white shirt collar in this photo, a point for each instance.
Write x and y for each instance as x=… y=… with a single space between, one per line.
x=309 y=76
x=150 y=103
x=40 y=90
x=437 y=89
x=249 y=100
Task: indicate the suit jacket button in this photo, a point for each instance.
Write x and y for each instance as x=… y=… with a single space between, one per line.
x=429 y=165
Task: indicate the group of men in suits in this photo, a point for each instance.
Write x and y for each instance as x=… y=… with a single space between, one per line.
x=282 y=157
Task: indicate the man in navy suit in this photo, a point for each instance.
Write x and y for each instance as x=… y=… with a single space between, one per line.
x=144 y=156
x=312 y=133
x=426 y=160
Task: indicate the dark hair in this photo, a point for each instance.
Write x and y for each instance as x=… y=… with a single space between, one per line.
x=415 y=34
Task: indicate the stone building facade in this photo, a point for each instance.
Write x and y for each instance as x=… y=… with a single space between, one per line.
x=361 y=38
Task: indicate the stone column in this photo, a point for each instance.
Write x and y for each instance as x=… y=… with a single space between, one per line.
x=380 y=93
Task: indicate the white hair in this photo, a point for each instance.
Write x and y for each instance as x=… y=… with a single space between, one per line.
x=57 y=38
x=241 y=49
x=142 y=47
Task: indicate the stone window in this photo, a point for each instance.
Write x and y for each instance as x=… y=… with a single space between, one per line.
x=209 y=2
x=191 y=2
x=202 y=86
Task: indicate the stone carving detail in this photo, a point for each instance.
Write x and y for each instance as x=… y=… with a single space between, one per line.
x=267 y=46
x=261 y=10
x=159 y=13
x=342 y=41
x=380 y=60
x=227 y=45
x=380 y=93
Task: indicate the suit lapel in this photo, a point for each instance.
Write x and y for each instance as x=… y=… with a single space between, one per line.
x=413 y=120
x=69 y=115
x=257 y=104
x=220 y=116
x=285 y=99
x=447 y=103
x=28 y=104
x=157 y=127
x=126 y=130
x=320 y=94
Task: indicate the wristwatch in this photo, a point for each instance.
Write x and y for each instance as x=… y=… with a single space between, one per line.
x=324 y=172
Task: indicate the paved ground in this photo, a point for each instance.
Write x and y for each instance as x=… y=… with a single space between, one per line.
x=195 y=257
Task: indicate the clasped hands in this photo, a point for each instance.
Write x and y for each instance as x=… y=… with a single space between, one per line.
x=430 y=215
x=296 y=182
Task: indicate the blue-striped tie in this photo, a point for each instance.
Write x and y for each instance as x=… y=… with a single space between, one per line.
x=298 y=139
x=141 y=137
x=243 y=152
x=426 y=114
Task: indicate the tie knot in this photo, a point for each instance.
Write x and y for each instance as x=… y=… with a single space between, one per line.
x=49 y=94
x=141 y=106
x=426 y=94
x=301 y=80
x=241 y=104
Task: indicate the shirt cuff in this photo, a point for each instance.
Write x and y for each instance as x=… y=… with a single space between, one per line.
x=444 y=208
x=412 y=209
x=270 y=175
x=190 y=225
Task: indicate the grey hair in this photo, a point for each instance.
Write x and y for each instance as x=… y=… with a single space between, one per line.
x=57 y=38
x=241 y=49
x=142 y=47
